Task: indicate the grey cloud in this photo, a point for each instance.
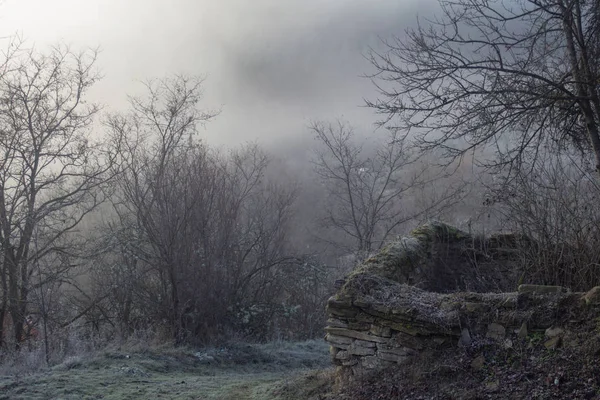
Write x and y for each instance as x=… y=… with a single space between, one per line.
x=322 y=62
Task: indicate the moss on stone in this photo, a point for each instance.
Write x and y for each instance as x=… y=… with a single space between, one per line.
x=439 y=230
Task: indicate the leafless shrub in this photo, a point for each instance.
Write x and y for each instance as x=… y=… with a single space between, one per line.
x=200 y=244
x=554 y=201
x=373 y=192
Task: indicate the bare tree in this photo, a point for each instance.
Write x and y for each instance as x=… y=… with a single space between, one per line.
x=50 y=168
x=368 y=189
x=6 y=67
x=155 y=192
x=513 y=77
x=201 y=232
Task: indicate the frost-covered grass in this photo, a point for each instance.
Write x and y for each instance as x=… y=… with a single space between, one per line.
x=237 y=371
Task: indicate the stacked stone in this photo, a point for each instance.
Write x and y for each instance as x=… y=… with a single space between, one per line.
x=365 y=334
x=440 y=287
x=360 y=341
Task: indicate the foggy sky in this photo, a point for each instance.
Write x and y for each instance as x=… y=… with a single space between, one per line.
x=271 y=65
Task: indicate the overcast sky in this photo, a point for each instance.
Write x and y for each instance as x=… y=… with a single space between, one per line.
x=272 y=65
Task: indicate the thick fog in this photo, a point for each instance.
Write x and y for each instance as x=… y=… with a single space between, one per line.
x=271 y=66
x=237 y=215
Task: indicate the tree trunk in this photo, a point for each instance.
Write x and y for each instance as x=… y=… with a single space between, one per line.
x=3 y=307
x=2 y=317
x=582 y=85
x=175 y=317
x=14 y=306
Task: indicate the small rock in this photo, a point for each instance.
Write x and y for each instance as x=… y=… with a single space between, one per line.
x=478 y=363
x=522 y=332
x=496 y=332
x=553 y=332
x=492 y=386
x=593 y=296
x=205 y=358
x=553 y=343
x=465 y=338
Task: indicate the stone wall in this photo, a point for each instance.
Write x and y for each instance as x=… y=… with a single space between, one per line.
x=412 y=297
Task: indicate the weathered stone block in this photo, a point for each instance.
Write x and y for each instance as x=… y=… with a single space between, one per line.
x=360 y=303
x=396 y=358
x=355 y=335
x=407 y=328
x=336 y=323
x=399 y=351
x=399 y=339
x=350 y=362
x=335 y=302
x=338 y=341
x=383 y=331
x=362 y=317
x=359 y=326
x=360 y=351
x=342 y=312
x=364 y=343
x=333 y=351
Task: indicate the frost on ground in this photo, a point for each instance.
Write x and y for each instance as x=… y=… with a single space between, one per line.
x=239 y=371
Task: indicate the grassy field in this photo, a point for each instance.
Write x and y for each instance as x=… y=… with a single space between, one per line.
x=282 y=370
